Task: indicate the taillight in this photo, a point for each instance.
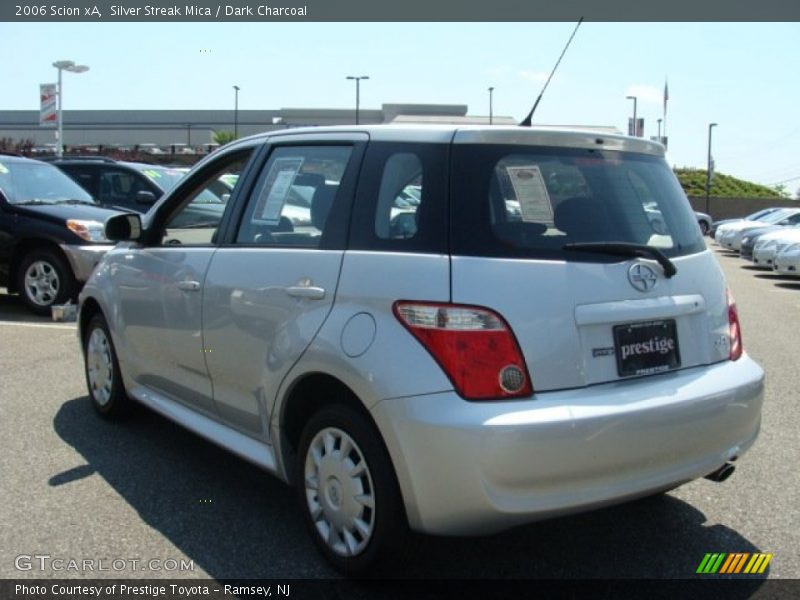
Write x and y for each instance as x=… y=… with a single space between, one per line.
x=474 y=346
x=735 y=329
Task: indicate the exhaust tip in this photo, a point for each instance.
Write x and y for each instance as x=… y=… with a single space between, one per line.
x=722 y=473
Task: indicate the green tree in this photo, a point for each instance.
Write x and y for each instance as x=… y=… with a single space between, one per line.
x=223 y=137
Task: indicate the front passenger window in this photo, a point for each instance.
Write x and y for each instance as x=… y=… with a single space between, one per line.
x=293 y=196
x=197 y=220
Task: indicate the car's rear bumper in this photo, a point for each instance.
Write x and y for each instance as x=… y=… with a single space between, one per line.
x=83 y=259
x=477 y=467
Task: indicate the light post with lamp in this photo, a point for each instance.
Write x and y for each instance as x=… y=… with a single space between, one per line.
x=64 y=65
x=709 y=168
x=236 y=112
x=358 y=91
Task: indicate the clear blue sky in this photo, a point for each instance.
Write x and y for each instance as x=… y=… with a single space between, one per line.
x=740 y=75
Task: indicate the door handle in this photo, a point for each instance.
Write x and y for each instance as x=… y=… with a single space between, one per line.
x=189 y=286
x=306 y=291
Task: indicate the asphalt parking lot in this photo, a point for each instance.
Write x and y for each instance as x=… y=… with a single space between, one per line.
x=77 y=487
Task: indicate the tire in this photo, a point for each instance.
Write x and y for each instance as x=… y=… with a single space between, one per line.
x=103 y=379
x=704 y=227
x=365 y=531
x=44 y=279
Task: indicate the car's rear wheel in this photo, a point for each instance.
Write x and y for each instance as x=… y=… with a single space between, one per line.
x=704 y=227
x=348 y=491
x=44 y=279
x=103 y=377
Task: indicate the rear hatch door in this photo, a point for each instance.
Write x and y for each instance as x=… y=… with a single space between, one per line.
x=589 y=249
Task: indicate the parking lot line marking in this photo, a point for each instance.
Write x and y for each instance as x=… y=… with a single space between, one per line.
x=40 y=325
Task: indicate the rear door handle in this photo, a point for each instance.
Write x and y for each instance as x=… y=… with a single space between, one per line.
x=306 y=291
x=189 y=286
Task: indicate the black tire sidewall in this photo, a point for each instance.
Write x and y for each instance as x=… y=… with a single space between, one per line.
x=118 y=403
x=66 y=280
x=390 y=521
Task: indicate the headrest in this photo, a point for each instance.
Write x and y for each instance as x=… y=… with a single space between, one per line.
x=321 y=204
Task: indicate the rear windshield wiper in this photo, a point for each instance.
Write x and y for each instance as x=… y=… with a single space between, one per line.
x=626 y=249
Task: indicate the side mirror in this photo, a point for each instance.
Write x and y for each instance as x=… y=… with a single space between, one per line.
x=145 y=197
x=123 y=228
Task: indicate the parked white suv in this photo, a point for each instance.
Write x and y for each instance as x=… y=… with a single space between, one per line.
x=518 y=343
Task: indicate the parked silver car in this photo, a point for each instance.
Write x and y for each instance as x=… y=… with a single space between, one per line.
x=519 y=343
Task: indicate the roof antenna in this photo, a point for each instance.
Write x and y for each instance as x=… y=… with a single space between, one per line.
x=527 y=121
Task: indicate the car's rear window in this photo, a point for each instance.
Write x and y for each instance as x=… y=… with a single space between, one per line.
x=527 y=202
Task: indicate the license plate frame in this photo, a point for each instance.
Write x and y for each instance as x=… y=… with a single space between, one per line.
x=647 y=347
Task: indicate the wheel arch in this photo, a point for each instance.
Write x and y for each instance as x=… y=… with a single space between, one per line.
x=307 y=395
x=89 y=308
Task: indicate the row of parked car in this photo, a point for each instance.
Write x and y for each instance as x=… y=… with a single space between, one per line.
x=769 y=238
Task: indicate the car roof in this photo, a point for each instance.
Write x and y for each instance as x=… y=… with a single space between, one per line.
x=574 y=137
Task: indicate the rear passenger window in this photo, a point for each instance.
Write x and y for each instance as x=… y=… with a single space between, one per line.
x=293 y=196
x=399 y=197
x=401 y=204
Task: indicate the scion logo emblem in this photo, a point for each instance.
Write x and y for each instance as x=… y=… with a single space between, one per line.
x=642 y=277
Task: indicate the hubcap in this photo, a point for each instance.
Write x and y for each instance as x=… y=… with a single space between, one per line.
x=339 y=492
x=99 y=366
x=41 y=283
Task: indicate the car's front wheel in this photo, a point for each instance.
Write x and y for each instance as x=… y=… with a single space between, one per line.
x=103 y=377
x=348 y=490
x=44 y=279
x=704 y=227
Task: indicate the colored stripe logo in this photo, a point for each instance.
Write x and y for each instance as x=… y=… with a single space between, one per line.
x=734 y=563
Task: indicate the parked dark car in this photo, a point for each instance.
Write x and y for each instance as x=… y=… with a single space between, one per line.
x=130 y=186
x=51 y=233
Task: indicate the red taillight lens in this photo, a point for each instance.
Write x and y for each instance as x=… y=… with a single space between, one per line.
x=735 y=329
x=474 y=346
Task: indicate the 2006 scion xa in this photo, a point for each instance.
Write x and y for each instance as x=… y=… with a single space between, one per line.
x=475 y=327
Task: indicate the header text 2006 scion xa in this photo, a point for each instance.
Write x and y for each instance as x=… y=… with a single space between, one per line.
x=474 y=328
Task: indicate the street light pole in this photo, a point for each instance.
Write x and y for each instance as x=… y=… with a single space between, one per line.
x=491 y=89
x=64 y=65
x=708 y=168
x=635 y=128
x=236 y=112
x=358 y=91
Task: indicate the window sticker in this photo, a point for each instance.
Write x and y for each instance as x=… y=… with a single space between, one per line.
x=276 y=189
x=529 y=187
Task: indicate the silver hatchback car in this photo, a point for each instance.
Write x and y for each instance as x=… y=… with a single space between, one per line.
x=474 y=328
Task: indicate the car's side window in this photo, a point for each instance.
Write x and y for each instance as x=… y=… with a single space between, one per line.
x=399 y=197
x=87 y=178
x=117 y=187
x=198 y=216
x=401 y=204
x=293 y=196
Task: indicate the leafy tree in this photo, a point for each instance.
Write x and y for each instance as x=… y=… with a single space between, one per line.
x=223 y=137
